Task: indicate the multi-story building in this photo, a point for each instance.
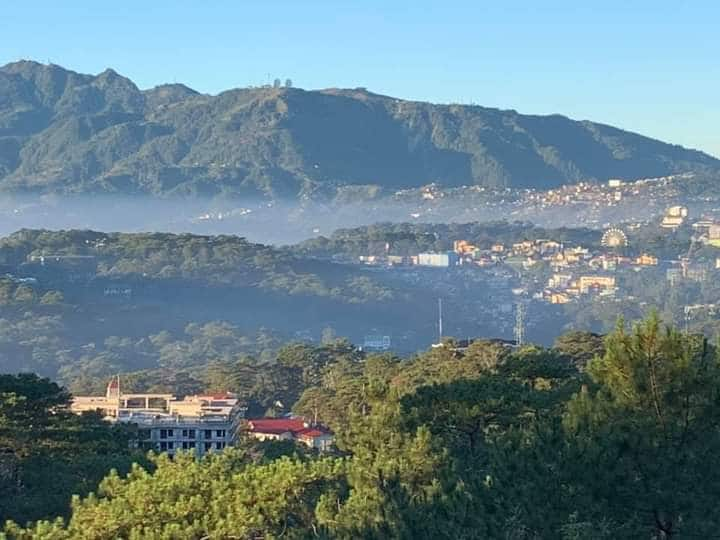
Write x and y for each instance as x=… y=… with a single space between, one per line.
x=376 y=342
x=557 y=281
x=443 y=260
x=714 y=235
x=202 y=423
x=587 y=283
x=674 y=217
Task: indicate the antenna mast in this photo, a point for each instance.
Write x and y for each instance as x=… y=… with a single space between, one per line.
x=520 y=324
x=440 y=320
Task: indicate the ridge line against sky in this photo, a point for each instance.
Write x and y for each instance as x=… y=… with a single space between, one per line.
x=647 y=67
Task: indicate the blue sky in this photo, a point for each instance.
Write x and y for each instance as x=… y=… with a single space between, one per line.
x=651 y=67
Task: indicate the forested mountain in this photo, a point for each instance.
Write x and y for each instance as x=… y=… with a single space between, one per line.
x=86 y=303
x=66 y=132
x=203 y=260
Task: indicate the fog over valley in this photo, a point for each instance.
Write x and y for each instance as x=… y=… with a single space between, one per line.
x=282 y=222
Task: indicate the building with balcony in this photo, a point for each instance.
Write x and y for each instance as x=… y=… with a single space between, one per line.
x=200 y=424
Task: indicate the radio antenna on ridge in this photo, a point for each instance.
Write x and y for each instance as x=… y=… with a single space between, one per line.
x=520 y=324
x=440 y=320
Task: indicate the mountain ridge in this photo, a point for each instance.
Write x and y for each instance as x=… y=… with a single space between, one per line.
x=67 y=132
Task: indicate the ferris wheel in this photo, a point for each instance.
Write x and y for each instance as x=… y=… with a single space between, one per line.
x=614 y=238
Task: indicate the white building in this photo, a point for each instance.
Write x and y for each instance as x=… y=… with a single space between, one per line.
x=202 y=423
x=442 y=260
x=674 y=217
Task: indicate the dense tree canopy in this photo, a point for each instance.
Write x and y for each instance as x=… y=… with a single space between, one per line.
x=477 y=443
x=48 y=454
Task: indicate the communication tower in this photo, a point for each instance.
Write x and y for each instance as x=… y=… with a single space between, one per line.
x=440 y=321
x=520 y=324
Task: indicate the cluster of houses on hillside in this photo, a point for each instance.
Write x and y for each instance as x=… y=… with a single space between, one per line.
x=570 y=271
x=610 y=193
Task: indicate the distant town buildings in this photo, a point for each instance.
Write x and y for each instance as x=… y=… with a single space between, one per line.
x=376 y=342
x=559 y=271
x=464 y=248
x=118 y=291
x=599 y=283
x=674 y=217
x=646 y=260
x=441 y=260
x=713 y=233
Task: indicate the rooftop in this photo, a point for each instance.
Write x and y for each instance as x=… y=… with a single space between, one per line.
x=299 y=427
x=159 y=408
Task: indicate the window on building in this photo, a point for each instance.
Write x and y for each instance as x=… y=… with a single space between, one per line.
x=219 y=445
x=163 y=434
x=185 y=445
x=170 y=433
x=220 y=433
x=208 y=446
x=163 y=446
x=184 y=433
x=208 y=433
x=191 y=444
x=191 y=433
x=171 y=445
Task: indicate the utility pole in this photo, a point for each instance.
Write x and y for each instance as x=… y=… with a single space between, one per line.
x=520 y=324
x=440 y=321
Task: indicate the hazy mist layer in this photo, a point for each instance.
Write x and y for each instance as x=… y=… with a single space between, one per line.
x=284 y=223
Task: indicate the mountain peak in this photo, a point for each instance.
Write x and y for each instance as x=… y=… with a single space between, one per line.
x=22 y=65
x=108 y=74
x=166 y=94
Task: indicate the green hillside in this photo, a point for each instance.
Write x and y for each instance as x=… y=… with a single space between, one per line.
x=65 y=132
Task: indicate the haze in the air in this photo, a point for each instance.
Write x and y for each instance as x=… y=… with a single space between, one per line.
x=653 y=69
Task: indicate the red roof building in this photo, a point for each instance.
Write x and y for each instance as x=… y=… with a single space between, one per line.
x=298 y=429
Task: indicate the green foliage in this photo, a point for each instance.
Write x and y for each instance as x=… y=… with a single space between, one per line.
x=14 y=293
x=219 y=497
x=455 y=443
x=48 y=454
x=651 y=423
x=581 y=346
x=213 y=260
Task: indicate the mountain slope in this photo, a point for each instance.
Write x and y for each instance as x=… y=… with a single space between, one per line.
x=61 y=131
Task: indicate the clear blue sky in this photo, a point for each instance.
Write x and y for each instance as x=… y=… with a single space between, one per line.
x=647 y=66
